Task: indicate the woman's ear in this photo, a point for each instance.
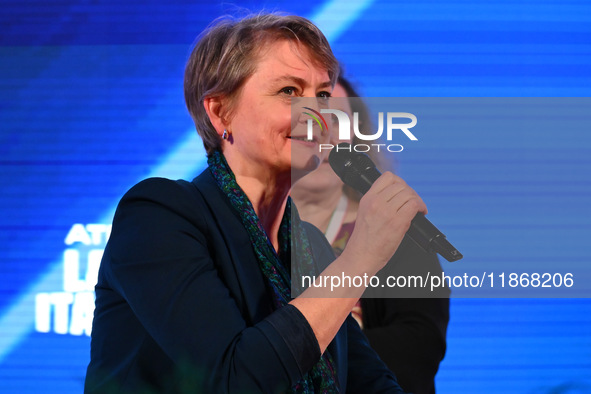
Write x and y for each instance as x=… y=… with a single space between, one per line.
x=213 y=108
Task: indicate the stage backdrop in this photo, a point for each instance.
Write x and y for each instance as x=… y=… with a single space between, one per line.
x=91 y=102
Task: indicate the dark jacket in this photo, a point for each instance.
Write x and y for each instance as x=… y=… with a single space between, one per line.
x=182 y=306
x=409 y=334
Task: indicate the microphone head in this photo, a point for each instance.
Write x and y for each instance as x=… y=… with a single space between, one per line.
x=356 y=169
x=340 y=158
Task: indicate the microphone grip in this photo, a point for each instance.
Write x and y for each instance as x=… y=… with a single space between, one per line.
x=421 y=230
x=359 y=172
x=428 y=237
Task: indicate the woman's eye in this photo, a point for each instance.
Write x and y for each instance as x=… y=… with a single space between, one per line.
x=288 y=90
x=323 y=94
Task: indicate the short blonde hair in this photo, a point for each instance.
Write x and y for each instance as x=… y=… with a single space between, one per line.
x=226 y=55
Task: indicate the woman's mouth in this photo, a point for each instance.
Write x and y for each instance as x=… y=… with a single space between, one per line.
x=302 y=138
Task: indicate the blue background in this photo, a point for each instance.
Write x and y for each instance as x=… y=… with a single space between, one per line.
x=91 y=102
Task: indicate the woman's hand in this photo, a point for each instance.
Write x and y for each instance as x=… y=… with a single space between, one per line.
x=383 y=217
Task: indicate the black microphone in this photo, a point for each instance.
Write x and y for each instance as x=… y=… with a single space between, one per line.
x=358 y=171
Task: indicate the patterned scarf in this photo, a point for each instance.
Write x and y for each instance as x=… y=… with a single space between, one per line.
x=322 y=377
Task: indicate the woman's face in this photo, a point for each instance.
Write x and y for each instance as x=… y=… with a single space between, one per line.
x=261 y=123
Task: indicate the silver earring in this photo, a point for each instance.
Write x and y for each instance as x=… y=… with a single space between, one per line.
x=225 y=135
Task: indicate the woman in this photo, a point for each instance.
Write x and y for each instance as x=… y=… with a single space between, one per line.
x=193 y=290
x=407 y=333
